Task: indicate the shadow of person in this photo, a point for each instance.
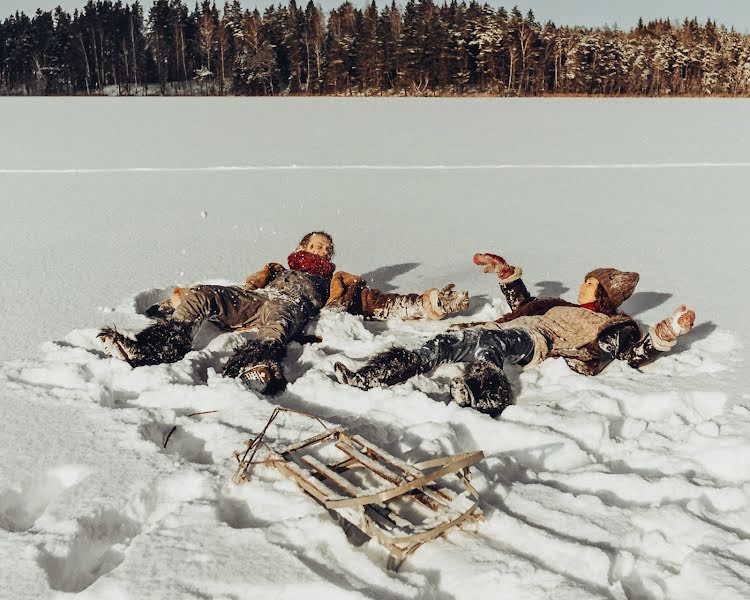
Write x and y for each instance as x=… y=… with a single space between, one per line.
x=640 y=302
x=380 y=278
x=550 y=289
x=697 y=333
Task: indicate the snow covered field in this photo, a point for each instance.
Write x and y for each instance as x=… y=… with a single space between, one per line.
x=627 y=485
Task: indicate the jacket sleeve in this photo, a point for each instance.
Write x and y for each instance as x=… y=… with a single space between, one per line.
x=380 y=306
x=515 y=293
x=645 y=351
x=262 y=278
x=626 y=343
x=613 y=343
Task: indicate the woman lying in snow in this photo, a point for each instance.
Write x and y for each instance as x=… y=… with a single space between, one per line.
x=279 y=302
x=588 y=335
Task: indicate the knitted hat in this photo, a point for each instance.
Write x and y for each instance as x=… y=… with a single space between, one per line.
x=619 y=285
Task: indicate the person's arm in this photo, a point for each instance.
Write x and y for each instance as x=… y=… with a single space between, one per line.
x=350 y=293
x=345 y=293
x=660 y=338
x=262 y=278
x=430 y=304
x=508 y=276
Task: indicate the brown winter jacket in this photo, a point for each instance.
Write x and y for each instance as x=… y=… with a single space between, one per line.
x=587 y=340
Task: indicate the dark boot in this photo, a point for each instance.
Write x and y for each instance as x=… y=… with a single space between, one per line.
x=164 y=342
x=258 y=364
x=483 y=387
x=387 y=368
x=160 y=311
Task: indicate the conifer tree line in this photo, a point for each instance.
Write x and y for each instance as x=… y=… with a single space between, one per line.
x=422 y=48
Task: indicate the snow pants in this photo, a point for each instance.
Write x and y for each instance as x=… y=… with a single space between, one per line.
x=277 y=318
x=470 y=345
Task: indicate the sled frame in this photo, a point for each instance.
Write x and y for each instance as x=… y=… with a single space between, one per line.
x=402 y=507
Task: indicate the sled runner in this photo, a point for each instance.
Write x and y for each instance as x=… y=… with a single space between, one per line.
x=400 y=505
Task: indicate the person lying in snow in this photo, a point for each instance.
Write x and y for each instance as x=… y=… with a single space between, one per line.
x=279 y=302
x=588 y=335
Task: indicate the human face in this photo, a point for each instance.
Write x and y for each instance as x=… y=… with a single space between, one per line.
x=587 y=291
x=319 y=245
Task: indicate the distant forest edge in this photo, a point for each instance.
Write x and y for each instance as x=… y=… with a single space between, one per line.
x=422 y=48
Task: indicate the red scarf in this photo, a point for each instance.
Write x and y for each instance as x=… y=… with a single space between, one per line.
x=592 y=306
x=302 y=260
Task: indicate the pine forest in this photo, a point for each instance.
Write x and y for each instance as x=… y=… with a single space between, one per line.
x=418 y=49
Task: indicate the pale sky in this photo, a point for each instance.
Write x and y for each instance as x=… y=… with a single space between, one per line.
x=624 y=13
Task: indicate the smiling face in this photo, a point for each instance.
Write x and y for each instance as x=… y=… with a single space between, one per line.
x=319 y=245
x=587 y=291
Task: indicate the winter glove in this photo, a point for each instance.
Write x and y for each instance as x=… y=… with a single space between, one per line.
x=263 y=277
x=344 y=291
x=438 y=303
x=665 y=333
x=497 y=264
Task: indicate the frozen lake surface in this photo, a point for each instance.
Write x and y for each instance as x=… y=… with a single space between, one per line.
x=628 y=485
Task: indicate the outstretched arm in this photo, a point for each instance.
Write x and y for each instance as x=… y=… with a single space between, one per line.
x=430 y=304
x=660 y=338
x=350 y=293
x=509 y=277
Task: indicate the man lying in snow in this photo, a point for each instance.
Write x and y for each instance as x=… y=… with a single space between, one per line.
x=279 y=302
x=588 y=335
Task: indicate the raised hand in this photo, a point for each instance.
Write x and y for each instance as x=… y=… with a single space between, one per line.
x=493 y=263
x=678 y=323
x=451 y=301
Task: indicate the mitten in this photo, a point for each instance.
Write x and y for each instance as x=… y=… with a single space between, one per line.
x=665 y=333
x=438 y=303
x=497 y=264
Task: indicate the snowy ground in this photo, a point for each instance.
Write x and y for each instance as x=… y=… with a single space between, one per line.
x=627 y=485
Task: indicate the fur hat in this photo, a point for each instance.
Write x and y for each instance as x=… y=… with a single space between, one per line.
x=619 y=285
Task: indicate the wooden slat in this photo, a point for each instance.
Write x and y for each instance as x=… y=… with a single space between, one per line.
x=337 y=479
x=386 y=456
x=437 y=496
x=450 y=464
x=316 y=487
x=379 y=469
x=382 y=518
x=392 y=515
x=309 y=441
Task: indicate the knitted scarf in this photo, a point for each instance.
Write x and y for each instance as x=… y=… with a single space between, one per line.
x=301 y=260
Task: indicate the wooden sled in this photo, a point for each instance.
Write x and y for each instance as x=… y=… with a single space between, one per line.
x=398 y=504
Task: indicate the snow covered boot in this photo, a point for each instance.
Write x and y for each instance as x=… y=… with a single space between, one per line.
x=258 y=365
x=387 y=368
x=483 y=387
x=164 y=342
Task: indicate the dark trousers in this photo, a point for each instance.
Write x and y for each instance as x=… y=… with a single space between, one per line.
x=470 y=345
x=235 y=307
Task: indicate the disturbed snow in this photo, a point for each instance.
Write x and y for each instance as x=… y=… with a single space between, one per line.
x=627 y=485
x=631 y=484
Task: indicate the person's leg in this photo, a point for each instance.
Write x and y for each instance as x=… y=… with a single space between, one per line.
x=231 y=306
x=163 y=342
x=399 y=364
x=171 y=339
x=483 y=386
x=258 y=362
